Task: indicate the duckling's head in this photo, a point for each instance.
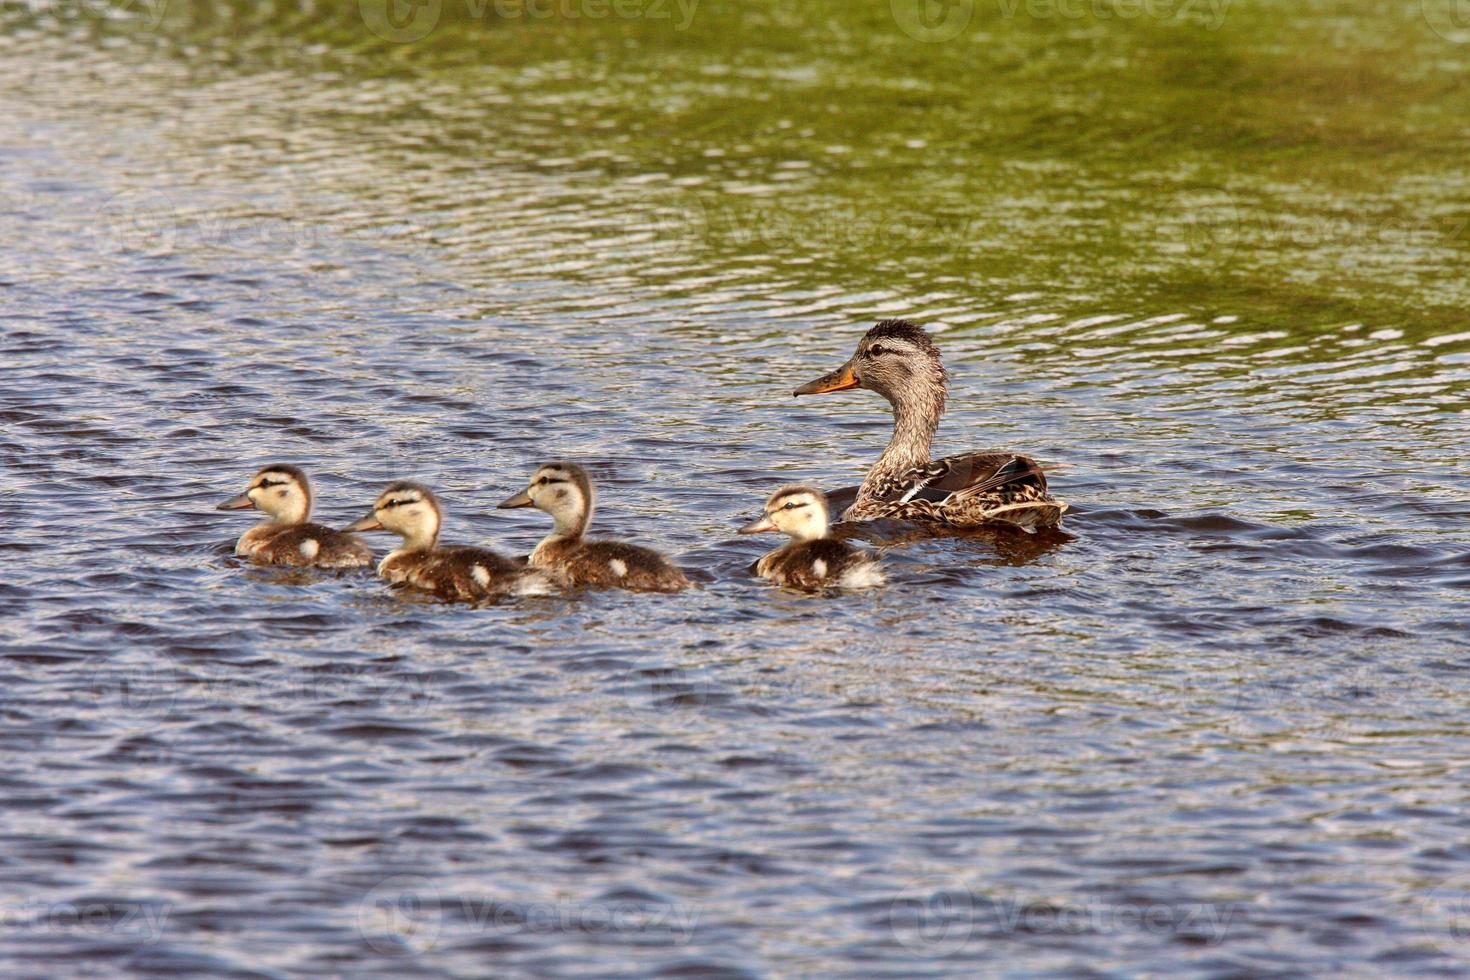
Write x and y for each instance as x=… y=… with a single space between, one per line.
x=409 y=510
x=562 y=490
x=281 y=492
x=897 y=360
x=798 y=511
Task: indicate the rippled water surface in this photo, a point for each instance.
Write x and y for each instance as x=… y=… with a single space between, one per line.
x=1215 y=276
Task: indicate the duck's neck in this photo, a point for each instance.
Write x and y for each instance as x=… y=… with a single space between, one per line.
x=915 y=417
x=569 y=528
x=419 y=540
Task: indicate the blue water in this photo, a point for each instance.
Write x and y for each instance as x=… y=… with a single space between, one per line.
x=1218 y=727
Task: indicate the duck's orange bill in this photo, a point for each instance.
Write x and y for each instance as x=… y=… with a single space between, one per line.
x=368 y=523
x=839 y=380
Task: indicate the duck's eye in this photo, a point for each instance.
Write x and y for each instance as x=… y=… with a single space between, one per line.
x=791 y=506
x=877 y=351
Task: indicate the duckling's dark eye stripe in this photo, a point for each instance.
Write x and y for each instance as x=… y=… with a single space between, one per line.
x=263 y=484
x=548 y=480
x=389 y=505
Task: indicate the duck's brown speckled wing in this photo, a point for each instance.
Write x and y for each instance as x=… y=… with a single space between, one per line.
x=966 y=475
x=312 y=545
x=972 y=489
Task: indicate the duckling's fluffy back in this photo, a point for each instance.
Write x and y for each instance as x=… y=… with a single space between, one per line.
x=610 y=564
x=464 y=573
x=819 y=564
x=303 y=545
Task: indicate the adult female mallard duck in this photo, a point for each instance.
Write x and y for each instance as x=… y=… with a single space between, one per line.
x=411 y=511
x=564 y=491
x=811 y=560
x=897 y=360
x=286 y=536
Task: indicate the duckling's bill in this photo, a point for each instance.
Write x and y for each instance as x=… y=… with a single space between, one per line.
x=764 y=523
x=522 y=499
x=238 y=502
x=839 y=380
x=368 y=522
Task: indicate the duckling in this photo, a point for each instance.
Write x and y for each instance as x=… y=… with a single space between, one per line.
x=411 y=511
x=811 y=560
x=285 y=537
x=564 y=491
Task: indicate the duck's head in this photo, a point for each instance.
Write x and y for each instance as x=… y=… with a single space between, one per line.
x=409 y=510
x=798 y=511
x=896 y=359
x=281 y=492
x=562 y=490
